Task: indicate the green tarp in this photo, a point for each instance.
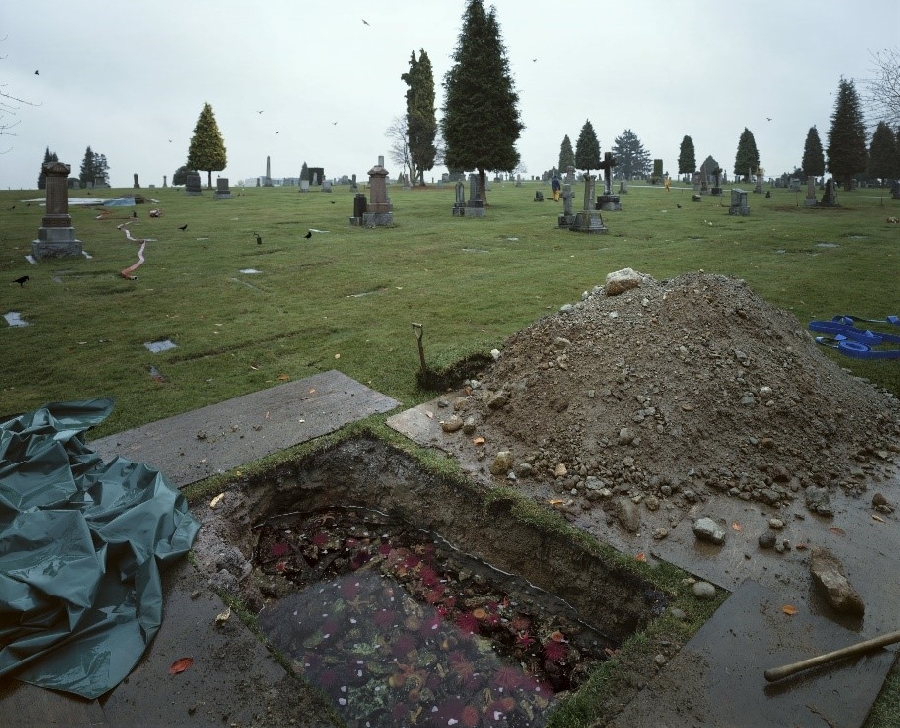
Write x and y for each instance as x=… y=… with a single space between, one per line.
x=81 y=546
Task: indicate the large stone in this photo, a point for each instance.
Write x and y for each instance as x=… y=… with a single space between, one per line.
x=828 y=574
x=706 y=529
x=622 y=280
x=503 y=463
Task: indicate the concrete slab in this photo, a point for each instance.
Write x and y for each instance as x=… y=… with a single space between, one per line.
x=214 y=439
x=717 y=678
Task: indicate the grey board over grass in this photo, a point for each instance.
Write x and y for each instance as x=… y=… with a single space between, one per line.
x=217 y=438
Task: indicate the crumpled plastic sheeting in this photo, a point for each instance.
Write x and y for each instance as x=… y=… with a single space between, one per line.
x=81 y=546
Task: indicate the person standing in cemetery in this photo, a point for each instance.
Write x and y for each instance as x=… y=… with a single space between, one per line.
x=554 y=184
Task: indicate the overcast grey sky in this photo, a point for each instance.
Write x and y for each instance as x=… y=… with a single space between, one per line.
x=130 y=79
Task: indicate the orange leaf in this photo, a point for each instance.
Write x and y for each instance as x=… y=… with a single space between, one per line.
x=801 y=547
x=555 y=502
x=837 y=531
x=181 y=665
x=283 y=378
x=640 y=557
x=789 y=609
x=737 y=526
x=478 y=441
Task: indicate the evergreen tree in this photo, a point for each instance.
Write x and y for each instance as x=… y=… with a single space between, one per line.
x=42 y=178
x=180 y=176
x=304 y=172
x=86 y=173
x=566 y=154
x=687 y=163
x=883 y=158
x=746 y=161
x=481 y=120
x=847 y=153
x=207 y=150
x=101 y=170
x=587 y=149
x=813 y=155
x=633 y=160
x=420 y=118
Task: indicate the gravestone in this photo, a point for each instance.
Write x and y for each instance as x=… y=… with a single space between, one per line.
x=716 y=191
x=459 y=206
x=570 y=175
x=739 y=203
x=475 y=205
x=568 y=217
x=518 y=180
x=895 y=190
x=192 y=184
x=759 y=180
x=810 y=200
x=359 y=209
x=608 y=201
x=304 y=185
x=353 y=188
x=326 y=186
x=315 y=179
x=136 y=185
x=406 y=183
x=588 y=220
x=704 y=181
x=56 y=236
x=538 y=196
x=795 y=185
x=222 y=191
x=623 y=187
x=267 y=182
x=165 y=180
x=379 y=210
x=829 y=199
x=695 y=181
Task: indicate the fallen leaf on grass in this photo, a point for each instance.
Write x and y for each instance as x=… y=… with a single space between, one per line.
x=255 y=369
x=555 y=502
x=877 y=518
x=640 y=557
x=737 y=526
x=180 y=665
x=283 y=377
x=337 y=356
x=837 y=531
x=789 y=609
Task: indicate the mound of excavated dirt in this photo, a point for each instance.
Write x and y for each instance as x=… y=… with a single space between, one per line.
x=679 y=388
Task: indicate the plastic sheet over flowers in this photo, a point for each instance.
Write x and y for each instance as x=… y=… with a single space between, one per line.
x=81 y=547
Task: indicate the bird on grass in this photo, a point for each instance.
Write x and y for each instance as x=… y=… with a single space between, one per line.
x=13 y=207
x=21 y=280
x=308 y=235
x=333 y=202
x=183 y=227
x=134 y=213
x=678 y=205
x=258 y=238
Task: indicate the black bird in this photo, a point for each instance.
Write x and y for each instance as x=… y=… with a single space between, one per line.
x=134 y=213
x=308 y=235
x=183 y=227
x=334 y=124
x=258 y=238
x=332 y=202
x=37 y=73
x=768 y=119
x=365 y=23
x=13 y=207
x=259 y=112
x=21 y=280
x=678 y=205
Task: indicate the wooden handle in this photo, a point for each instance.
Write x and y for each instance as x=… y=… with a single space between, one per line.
x=777 y=673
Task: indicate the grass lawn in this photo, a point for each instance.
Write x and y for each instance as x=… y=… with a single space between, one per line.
x=346 y=299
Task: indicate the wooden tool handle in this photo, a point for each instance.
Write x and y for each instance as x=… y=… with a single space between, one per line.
x=777 y=673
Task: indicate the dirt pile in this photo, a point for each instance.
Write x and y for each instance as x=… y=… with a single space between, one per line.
x=680 y=388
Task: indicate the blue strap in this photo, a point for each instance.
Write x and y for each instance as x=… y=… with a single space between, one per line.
x=870 y=338
x=893 y=320
x=856 y=349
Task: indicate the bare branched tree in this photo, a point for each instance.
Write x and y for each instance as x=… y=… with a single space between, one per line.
x=398 y=133
x=882 y=97
x=8 y=109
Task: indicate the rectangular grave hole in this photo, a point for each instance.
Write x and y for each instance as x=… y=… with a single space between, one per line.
x=403 y=595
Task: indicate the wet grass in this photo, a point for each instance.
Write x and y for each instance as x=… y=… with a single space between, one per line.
x=347 y=299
